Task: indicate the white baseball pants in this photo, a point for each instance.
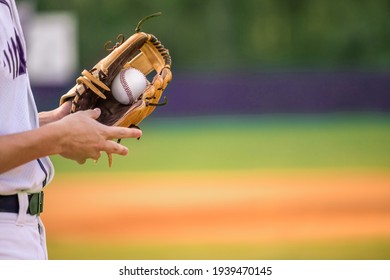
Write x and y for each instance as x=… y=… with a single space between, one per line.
x=22 y=236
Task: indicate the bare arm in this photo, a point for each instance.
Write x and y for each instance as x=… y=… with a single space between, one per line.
x=77 y=136
x=20 y=148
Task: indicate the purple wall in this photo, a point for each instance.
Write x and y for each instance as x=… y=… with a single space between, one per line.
x=257 y=93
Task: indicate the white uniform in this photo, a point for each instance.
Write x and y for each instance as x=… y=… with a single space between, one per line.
x=19 y=233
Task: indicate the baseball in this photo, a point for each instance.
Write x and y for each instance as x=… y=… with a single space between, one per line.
x=128 y=85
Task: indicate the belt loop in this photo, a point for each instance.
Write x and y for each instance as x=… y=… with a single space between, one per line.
x=23 y=206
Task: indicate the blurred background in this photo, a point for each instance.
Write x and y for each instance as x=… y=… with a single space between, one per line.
x=274 y=143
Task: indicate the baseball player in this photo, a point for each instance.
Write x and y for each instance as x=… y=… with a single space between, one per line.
x=27 y=138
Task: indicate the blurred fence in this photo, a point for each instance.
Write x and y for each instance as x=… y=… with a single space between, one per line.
x=259 y=93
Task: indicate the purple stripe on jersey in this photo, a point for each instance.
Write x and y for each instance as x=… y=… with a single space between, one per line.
x=8 y=62
x=12 y=60
x=15 y=54
x=15 y=57
x=22 y=57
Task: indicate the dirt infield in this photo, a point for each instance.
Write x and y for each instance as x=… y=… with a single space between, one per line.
x=234 y=206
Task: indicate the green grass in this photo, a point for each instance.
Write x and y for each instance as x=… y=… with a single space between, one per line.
x=293 y=250
x=249 y=142
x=243 y=142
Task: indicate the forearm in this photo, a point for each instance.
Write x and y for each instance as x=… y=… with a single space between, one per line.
x=20 y=148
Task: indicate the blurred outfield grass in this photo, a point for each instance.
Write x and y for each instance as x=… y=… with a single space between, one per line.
x=246 y=142
x=344 y=249
x=341 y=141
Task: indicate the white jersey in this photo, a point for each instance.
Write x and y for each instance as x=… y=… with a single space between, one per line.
x=18 y=111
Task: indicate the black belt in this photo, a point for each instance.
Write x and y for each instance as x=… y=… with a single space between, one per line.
x=10 y=203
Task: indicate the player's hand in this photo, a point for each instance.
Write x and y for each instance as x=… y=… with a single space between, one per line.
x=83 y=137
x=54 y=115
x=63 y=110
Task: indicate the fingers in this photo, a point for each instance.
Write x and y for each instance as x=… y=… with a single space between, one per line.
x=112 y=147
x=94 y=137
x=123 y=132
x=81 y=161
x=63 y=110
x=113 y=132
x=94 y=114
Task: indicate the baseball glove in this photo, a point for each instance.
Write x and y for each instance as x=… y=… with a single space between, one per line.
x=92 y=90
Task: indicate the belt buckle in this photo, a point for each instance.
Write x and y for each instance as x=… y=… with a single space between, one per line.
x=36 y=204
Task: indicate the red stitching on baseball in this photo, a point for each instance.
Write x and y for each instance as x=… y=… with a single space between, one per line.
x=126 y=86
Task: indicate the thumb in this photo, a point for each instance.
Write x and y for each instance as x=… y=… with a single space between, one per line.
x=95 y=113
